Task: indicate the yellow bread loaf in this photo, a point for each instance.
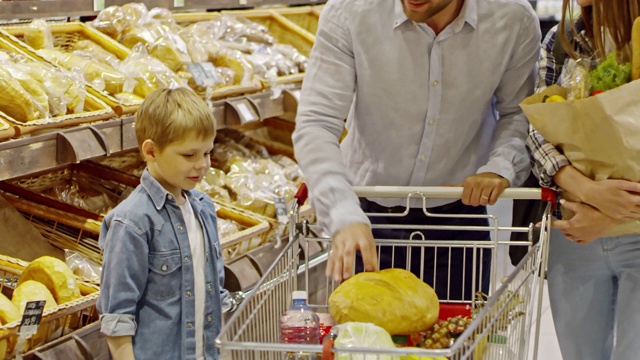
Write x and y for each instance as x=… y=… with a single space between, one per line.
x=55 y=275
x=31 y=290
x=8 y=311
x=393 y=299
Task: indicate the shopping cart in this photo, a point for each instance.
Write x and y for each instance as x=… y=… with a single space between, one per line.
x=508 y=309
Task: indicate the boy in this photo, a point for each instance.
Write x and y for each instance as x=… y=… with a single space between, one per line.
x=162 y=277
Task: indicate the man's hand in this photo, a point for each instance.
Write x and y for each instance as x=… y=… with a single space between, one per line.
x=483 y=189
x=619 y=199
x=586 y=225
x=344 y=245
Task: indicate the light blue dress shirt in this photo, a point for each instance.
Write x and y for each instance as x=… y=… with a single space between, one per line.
x=421 y=109
x=147 y=281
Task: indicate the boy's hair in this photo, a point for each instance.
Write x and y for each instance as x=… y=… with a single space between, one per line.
x=170 y=115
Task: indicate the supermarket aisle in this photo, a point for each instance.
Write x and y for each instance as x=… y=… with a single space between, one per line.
x=548 y=348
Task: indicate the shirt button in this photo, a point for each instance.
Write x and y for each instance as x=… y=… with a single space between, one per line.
x=179 y=227
x=435 y=82
x=186 y=259
x=423 y=158
x=190 y=325
x=164 y=267
x=170 y=197
x=209 y=318
x=189 y=293
x=431 y=121
x=209 y=288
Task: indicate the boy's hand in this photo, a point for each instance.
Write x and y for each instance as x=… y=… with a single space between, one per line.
x=483 y=189
x=344 y=245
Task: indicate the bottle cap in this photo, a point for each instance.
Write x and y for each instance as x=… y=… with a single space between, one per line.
x=301 y=294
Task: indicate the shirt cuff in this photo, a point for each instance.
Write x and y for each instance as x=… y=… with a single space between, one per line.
x=346 y=213
x=497 y=167
x=117 y=325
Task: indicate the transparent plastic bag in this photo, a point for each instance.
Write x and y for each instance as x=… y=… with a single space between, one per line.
x=240 y=29
x=32 y=91
x=149 y=72
x=98 y=52
x=111 y=21
x=171 y=50
x=82 y=266
x=362 y=335
x=575 y=78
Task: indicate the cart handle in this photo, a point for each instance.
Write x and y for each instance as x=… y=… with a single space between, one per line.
x=435 y=192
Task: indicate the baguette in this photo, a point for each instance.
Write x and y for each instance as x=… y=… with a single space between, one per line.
x=635 y=50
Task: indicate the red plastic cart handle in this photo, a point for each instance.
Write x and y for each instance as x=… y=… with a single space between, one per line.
x=302 y=194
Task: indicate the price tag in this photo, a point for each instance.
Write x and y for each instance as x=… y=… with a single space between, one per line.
x=281 y=210
x=246 y=115
x=178 y=3
x=31 y=317
x=204 y=74
x=98 y=5
x=243 y=2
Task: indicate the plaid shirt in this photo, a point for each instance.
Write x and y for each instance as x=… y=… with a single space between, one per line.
x=547 y=159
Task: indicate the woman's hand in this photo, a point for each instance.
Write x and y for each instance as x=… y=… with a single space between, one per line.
x=586 y=225
x=619 y=199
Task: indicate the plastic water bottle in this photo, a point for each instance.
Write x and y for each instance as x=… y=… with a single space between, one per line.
x=497 y=348
x=300 y=325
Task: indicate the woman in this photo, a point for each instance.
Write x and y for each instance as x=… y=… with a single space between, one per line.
x=594 y=281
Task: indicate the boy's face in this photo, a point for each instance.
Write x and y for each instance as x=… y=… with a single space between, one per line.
x=180 y=165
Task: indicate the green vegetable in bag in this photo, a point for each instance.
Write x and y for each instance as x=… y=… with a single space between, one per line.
x=610 y=74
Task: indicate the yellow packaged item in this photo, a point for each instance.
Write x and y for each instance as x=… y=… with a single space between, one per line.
x=171 y=50
x=31 y=86
x=393 y=299
x=55 y=275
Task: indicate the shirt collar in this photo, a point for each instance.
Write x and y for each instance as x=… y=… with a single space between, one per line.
x=159 y=195
x=468 y=14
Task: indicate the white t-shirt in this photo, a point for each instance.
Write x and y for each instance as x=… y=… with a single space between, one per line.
x=196 y=243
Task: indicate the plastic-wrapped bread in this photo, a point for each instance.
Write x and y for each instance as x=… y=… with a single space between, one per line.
x=164 y=17
x=111 y=21
x=32 y=87
x=98 y=52
x=72 y=84
x=15 y=101
x=171 y=50
x=236 y=61
x=38 y=35
x=134 y=13
x=148 y=72
x=95 y=73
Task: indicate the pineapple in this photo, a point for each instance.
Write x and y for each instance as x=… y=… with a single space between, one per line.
x=443 y=334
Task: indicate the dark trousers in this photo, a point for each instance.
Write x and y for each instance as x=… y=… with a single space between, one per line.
x=453 y=265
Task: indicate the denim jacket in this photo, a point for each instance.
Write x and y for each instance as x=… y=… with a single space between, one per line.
x=147 y=279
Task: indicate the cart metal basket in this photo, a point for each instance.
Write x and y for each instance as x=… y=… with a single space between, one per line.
x=509 y=310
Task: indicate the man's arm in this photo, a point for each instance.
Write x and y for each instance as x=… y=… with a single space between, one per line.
x=327 y=95
x=508 y=158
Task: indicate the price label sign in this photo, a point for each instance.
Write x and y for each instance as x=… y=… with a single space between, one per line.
x=178 y=3
x=281 y=210
x=31 y=317
x=246 y=114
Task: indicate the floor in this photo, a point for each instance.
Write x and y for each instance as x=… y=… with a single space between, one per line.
x=548 y=348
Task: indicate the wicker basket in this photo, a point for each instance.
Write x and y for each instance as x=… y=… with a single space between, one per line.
x=94 y=108
x=305 y=17
x=6 y=131
x=284 y=31
x=66 y=230
x=100 y=190
x=65 y=36
x=56 y=322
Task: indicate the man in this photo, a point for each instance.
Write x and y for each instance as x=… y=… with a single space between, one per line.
x=431 y=92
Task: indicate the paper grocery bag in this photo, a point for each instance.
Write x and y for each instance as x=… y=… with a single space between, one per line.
x=600 y=135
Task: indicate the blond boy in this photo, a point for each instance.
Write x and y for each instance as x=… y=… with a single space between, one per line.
x=162 y=278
